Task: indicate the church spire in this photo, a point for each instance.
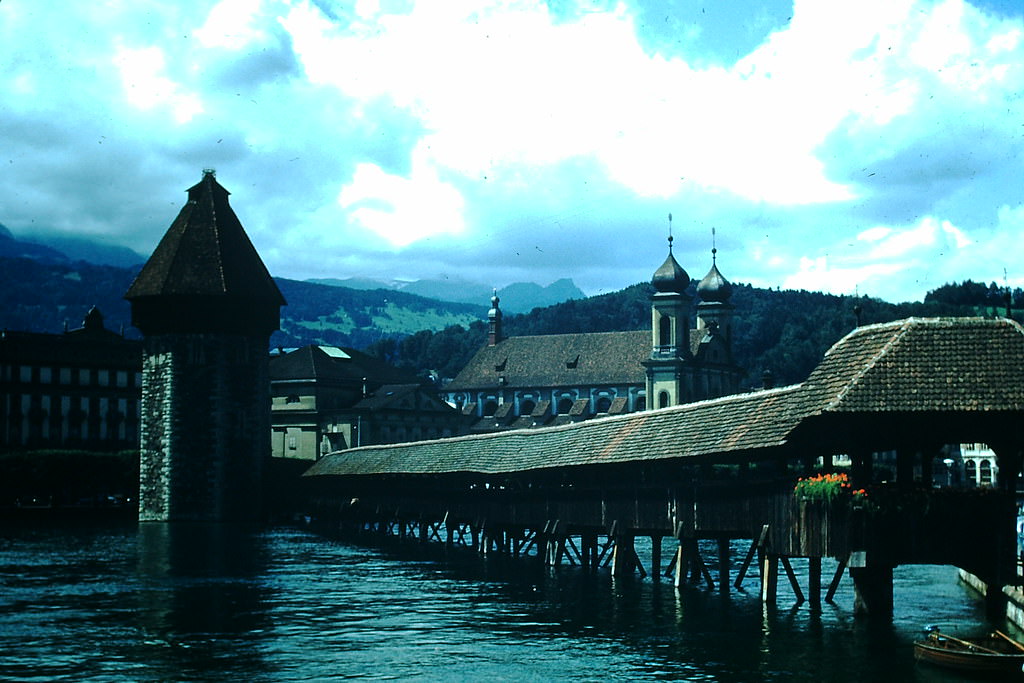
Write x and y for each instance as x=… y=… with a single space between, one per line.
x=494 y=321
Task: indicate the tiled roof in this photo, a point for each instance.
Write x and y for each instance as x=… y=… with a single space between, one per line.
x=406 y=397
x=912 y=365
x=597 y=358
x=206 y=252
x=732 y=425
x=922 y=364
x=314 y=362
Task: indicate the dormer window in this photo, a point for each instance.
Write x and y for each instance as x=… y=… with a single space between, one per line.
x=573 y=363
x=500 y=367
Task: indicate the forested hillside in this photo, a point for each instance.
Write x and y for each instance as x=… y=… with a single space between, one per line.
x=786 y=332
x=40 y=296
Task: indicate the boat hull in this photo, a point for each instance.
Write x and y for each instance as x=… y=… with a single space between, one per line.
x=953 y=655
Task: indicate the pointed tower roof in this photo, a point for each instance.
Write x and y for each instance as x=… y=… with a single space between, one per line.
x=205 y=275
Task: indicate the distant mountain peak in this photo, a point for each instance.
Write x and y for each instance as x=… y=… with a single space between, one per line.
x=518 y=297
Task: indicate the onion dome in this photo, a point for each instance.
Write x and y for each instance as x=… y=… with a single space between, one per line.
x=495 y=312
x=670 y=276
x=714 y=288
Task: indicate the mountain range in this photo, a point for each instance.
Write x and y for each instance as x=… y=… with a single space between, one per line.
x=519 y=297
x=67 y=249
x=44 y=290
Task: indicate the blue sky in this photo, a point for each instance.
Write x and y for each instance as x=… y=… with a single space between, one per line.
x=870 y=146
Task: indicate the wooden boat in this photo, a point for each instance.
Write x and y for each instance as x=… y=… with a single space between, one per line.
x=995 y=654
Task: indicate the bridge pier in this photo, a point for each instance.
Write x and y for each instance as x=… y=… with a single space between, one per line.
x=723 y=565
x=872 y=591
x=814 y=583
x=656 y=557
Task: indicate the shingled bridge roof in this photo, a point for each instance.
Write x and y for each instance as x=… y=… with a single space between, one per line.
x=917 y=365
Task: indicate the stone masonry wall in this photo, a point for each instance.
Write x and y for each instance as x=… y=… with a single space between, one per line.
x=205 y=427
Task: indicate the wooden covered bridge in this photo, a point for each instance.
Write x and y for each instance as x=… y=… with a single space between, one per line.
x=889 y=397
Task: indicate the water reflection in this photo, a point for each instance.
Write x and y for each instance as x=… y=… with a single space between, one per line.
x=200 y=598
x=207 y=603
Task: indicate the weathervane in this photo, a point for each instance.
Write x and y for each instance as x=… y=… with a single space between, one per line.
x=670 y=233
x=714 y=248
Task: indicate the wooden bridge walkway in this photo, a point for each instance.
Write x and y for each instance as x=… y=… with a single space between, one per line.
x=889 y=397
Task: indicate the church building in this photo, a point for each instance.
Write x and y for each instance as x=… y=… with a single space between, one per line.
x=544 y=380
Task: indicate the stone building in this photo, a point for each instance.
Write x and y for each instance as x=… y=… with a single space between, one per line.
x=79 y=389
x=206 y=306
x=530 y=381
x=326 y=399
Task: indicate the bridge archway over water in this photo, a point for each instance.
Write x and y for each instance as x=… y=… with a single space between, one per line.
x=725 y=469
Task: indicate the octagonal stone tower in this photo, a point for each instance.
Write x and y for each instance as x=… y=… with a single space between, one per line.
x=206 y=306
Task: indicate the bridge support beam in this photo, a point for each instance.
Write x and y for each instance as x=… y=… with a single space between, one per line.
x=723 y=565
x=814 y=583
x=769 y=578
x=872 y=591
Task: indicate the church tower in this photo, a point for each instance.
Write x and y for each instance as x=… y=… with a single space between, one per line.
x=719 y=374
x=206 y=306
x=669 y=368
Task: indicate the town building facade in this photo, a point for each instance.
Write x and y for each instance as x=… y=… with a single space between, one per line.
x=76 y=390
x=325 y=399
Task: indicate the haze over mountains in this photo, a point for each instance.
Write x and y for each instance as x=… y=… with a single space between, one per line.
x=519 y=297
x=67 y=249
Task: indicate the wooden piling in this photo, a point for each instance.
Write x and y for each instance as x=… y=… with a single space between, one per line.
x=814 y=583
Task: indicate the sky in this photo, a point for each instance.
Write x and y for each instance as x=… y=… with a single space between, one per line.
x=869 y=147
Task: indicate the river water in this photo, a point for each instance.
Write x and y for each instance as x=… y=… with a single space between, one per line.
x=92 y=601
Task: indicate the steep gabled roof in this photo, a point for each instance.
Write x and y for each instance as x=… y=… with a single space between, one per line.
x=595 y=358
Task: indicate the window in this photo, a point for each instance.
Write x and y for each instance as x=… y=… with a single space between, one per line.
x=65 y=375
x=25 y=373
x=564 y=406
x=665 y=331
x=603 y=404
x=985 y=477
x=104 y=378
x=83 y=376
x=490 y=407
x=641 y=403
x=292 y=398
x=122 y=378
x=526 y=407
x=663 y=399
x=46 y=375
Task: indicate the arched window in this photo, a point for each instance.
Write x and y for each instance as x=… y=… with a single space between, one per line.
x=490 y=408
x=564 y=406
x=663 y=399
x=985 y=478
x=665 y=331
x=971 y=468
x=603 y=404
x=526 y=407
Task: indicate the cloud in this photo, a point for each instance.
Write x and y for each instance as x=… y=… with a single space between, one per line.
x=875 y=144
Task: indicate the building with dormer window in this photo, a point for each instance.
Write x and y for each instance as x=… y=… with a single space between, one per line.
x=543 y=380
